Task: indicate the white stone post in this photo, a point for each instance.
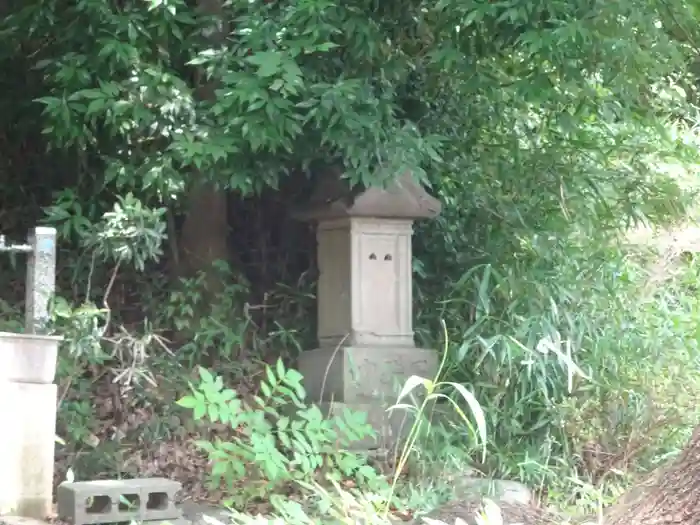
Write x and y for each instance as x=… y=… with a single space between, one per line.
x=28 y=396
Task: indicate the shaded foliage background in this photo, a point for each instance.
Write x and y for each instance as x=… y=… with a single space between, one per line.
x=169 y=140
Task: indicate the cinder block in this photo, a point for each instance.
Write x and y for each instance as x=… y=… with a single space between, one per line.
x=110 y=501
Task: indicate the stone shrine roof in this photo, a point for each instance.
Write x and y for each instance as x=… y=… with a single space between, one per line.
x=404 y=198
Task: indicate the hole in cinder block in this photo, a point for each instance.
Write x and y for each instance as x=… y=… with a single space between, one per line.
x=129 y=502
x=157 y=501
x=387 y=257
x=372 y=256
x=98 y=505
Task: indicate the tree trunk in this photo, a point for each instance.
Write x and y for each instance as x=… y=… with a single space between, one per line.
x=204 y=237
x=672 y=496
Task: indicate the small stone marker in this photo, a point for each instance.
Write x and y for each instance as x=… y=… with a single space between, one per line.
x=41 y=275
x=41 y=278
x=114 y=501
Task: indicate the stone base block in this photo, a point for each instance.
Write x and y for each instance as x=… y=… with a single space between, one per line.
x=363 y=374
x=27 y=448
x=367 y=379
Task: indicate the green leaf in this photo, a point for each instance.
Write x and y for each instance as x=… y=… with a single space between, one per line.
x=225 y=415
x=268 y=62
x=227 y=395
x=206 y=375
x=284 y=439
x=412 y=383
x=280 y=369
x=199 y=411
x=476 y=410
x=187 y=402
x=87 y=93
x=326 y=46
x=213 y=411
x=95 y=106
x=219 y=468
x=271 y=376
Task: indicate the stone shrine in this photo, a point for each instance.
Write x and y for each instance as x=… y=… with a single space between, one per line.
x=365 y=309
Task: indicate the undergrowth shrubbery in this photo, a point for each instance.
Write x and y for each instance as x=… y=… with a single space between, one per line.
x=582 y=373
x=580 y=391
x=278 y=436
x=585 y=391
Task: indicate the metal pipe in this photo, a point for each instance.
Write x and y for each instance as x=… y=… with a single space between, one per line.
x=4 y=247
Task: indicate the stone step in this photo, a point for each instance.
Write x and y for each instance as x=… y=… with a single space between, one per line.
x=113 y=501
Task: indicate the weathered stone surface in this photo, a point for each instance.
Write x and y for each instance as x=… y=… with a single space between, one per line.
x=41 y=279
x=404 y=198
x=20 y=520
x=27 y=451
x=364 y=284
x=363 y=374
x=197 y=513
x=511 y=513
x=26 y=358
x=497 y=489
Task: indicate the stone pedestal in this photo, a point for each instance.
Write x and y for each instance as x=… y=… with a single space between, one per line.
x=28 y=400
x=363 y=374
x=365 y=306
x=365 y=378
